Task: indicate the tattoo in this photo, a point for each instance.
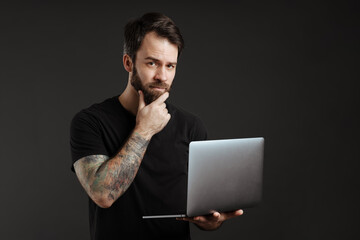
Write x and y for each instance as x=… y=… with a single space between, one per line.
x=86 y=167
x=112 y=177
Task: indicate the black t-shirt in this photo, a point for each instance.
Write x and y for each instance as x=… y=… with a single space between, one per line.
x=161 y=182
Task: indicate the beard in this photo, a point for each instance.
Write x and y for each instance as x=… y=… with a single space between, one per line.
x=150 y=94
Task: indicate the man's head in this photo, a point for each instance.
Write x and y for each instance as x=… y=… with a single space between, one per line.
x=151 y=49
x=163 y=26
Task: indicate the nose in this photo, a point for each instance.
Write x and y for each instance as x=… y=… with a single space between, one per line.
x=161 y=74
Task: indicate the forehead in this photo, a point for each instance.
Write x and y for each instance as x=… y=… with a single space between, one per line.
x=157 y=47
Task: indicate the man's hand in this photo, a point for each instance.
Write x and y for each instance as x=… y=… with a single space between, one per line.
x=152 y=118
x=213 y=221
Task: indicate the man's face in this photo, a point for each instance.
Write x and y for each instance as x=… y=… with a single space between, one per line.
x=154 y=69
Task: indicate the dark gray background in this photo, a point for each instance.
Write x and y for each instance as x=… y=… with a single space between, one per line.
x=287 y=71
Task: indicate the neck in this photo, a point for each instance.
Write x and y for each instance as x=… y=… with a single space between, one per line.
x=129 y=99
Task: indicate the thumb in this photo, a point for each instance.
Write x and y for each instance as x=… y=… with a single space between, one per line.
x=141 y=100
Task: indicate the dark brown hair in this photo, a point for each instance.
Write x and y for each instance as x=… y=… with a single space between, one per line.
x=162 y=25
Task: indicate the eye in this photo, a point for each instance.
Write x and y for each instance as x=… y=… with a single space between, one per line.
x=151 y=64
x=170 y=66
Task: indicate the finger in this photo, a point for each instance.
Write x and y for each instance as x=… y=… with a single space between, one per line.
x=163 y=106
x=141 y=100
x=184 y=219
x=193 y=219
x=166 y=120
x=162 y=98
x=216 y=216
x=236 y=213
x=201 y=219
x=165 y=111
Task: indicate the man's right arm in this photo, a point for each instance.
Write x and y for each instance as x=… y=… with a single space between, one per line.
x=106 y=179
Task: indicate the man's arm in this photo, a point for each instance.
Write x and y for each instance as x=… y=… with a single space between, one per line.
x=105 y=179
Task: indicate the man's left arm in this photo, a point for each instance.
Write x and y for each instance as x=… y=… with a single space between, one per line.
x=212 y=221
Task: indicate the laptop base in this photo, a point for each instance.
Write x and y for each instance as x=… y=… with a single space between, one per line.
x=164 y=216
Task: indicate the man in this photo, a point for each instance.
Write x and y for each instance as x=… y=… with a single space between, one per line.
x=130 y=152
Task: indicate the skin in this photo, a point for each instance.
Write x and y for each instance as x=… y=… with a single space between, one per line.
x=212 y=221
x=105 y=179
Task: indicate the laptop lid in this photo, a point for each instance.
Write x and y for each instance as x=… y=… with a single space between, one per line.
x=224 y=175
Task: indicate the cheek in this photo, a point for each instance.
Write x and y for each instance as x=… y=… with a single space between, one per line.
x=145 y=76
x=171 y=77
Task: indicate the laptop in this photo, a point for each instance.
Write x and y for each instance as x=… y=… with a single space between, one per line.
x=223 y=175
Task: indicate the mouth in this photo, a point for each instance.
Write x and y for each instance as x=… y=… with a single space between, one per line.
x=158 y=89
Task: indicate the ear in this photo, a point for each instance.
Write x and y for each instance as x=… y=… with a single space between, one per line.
x=127 y=62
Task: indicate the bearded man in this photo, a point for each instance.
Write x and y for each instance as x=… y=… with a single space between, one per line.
x=130 y=152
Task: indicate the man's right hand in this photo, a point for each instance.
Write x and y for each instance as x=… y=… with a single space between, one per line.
x=152 y=118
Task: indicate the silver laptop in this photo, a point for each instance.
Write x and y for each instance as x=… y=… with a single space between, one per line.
x=223 y=175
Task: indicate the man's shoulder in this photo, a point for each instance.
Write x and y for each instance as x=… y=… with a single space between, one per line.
x=97 y=110
x=106 y=105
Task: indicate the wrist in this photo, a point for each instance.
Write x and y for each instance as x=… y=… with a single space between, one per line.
x=146 y=134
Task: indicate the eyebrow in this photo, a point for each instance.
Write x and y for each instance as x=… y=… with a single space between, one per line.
x=157 y=60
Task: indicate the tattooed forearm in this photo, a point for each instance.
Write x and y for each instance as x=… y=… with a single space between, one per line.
x=106 y=179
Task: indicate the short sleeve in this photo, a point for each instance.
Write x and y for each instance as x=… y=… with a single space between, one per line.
x=199 y=132
x=85 y=137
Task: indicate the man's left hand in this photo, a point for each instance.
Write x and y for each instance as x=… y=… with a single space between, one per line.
x=212 y=221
